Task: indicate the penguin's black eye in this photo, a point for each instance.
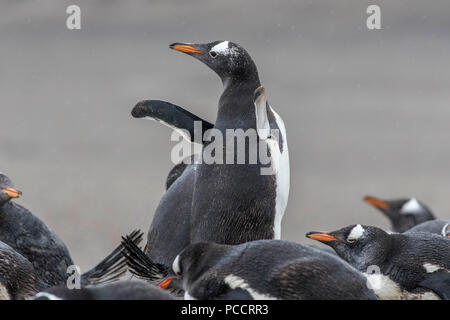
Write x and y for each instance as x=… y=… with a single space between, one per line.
x=351 y=240
x=213 y=54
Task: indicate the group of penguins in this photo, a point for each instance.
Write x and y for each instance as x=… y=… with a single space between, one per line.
x=216 y=232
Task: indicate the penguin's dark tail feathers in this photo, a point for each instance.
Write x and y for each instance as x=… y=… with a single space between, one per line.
x=113 y=266
x=140 y=264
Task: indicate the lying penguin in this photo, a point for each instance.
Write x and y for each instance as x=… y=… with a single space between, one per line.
x=398 y=266
x=18 y=279
x=402 y=213
x=260 y=270
x=247 y=205
x=121 y=290
x=48 y=254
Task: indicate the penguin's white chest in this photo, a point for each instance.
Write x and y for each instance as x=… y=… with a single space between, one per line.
x=280 y=162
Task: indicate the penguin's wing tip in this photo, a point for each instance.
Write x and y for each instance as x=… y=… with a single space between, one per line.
x=141 y=109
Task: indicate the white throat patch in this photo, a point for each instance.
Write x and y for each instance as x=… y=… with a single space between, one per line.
x=412 y=206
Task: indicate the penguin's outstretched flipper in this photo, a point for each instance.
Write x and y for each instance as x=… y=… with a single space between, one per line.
x=439 y=283
x=140 y=264
x=172 y=116
x=112 y=267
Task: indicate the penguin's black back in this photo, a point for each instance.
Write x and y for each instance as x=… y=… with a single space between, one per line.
x=29 y=236
x=433 y=226
x=169 y=232
x=411 y=253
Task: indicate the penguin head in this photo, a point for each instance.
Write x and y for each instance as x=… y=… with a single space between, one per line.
x=229 y=60
x=193 y=264
x=7 y=190
x=403 y=213
x=359 y=245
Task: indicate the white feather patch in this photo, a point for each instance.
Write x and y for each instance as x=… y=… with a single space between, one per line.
x=356 y=232
x=236 y=282
x=223 y=49
x=176 y=265
x=47 y=295
x=412 y=206
x=430 y=268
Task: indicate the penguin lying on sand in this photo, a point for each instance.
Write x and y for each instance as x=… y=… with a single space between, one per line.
x=398 y=266
x=48 y=254
x=18 y=279
x=121 y=290
x=260 y=270
x=402 y=213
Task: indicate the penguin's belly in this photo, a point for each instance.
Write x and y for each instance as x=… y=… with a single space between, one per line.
x=233 y=204
x=170 y=229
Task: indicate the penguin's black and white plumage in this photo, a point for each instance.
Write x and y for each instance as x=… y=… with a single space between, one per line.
x=397 y=265
x=224 y=203
x=18 y=279
x=440 y=227
x=30 y=236
x=121 y=290
x=402 y=213
x=260 y=270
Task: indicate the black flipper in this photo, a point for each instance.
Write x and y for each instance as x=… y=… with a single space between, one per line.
x=140 y=264
x=171 y=115
x=113 y=266
x=439 y=283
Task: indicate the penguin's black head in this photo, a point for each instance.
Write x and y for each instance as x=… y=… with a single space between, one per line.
x=229 y=60
x=193 y=264
x=361 y=246
x=403 y=213
x=7 y=190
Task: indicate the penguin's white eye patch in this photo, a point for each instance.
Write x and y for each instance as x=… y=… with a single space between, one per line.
x=355 y=234
x=213 y=54
x=412 y=206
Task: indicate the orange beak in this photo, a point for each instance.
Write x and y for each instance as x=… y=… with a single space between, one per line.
x=323 y=237
x=164 y=284
x=186 y=49
x=12 y=193
x=377 y=203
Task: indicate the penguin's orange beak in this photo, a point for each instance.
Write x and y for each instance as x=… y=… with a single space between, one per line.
x=185 y=48
x=320 y=236
x=164 y=284
x=12 y=193
x=376 y=203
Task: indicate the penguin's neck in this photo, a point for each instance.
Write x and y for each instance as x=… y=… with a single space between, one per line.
x=236 y=106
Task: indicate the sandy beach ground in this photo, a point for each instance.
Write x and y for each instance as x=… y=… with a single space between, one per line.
x=367 y=112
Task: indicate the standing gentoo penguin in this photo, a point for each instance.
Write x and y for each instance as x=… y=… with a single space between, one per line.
x=31 y=237
x=403 y=213
x=260 y=270
x=398 y=265
x=121 y=290
x=18 y=279
x=224 y=203
x=440 y=227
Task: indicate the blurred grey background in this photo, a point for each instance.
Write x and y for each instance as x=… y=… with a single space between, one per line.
x=367 y=112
